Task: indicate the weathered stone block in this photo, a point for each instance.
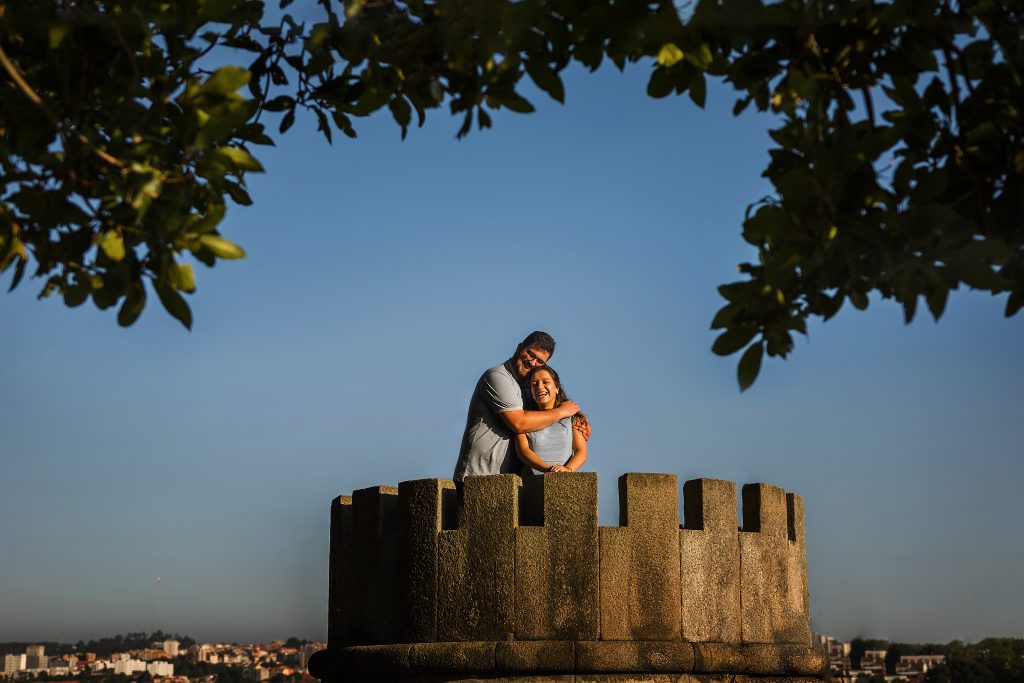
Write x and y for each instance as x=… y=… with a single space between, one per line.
x=643 y=569
x=538 y=656
x=634 y=656
x=709 y=559
x=340 y=579
x=763 y=551
x=466 y=657
x=638 y=677
x=774 y=608
x=378 y=660
x=556 y=569
x=476 y=576
x=420 y=520
x=759 y=659
x=374 y=617
x=799 y=616
x=615 y=559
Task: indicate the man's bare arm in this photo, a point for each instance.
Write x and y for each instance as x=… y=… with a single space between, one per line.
x=522 y=421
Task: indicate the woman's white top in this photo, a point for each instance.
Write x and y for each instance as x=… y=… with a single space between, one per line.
x=553 y=444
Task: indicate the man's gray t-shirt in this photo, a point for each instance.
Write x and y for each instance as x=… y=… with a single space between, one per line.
x=487 y=442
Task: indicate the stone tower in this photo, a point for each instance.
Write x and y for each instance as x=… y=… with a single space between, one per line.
x=420 y=591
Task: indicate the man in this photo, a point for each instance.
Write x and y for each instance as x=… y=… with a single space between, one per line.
x=496 y=413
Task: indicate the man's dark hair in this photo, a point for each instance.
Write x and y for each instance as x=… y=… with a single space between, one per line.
x=542 y=341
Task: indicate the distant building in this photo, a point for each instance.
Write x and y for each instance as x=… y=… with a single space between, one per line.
x=305 y=652
x=203 y=653
x=160 y=668
x=129 y=666
x=58 y=667
x=35 y=657
x=257 y=674
x=912 y=665
x=14 y=664
x=873 y=662
x=171 y=647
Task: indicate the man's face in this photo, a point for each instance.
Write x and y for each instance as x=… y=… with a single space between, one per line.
x=527 y=359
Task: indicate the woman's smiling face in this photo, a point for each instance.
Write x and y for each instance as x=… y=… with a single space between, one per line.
x=544 y=389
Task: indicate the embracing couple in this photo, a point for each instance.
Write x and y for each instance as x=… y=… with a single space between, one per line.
x=546 y=432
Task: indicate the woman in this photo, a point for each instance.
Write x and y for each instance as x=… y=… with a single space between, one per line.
x=558 y=448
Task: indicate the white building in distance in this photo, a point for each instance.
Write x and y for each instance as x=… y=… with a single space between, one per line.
x=159 y=668
x=129 y=666
x=14 y=664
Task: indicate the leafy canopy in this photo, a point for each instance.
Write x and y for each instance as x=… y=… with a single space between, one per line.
x=897 y=166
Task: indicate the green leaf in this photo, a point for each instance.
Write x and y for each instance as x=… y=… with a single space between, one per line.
x=723 y=317
x=225 y=80
x=174 y=303
x=733 y=340
x=287 y=121
x=546 y=78
x=750 y=365
x=858 y=299
x=1014 y=304
x=133 y=305
x=76 y=294
x=909 y=309
x=699 y=90
x=669 y=55
x=225 y=249
x=280 y=103
x=976 y=274
x=238 y=157
x=937 y=301
x=237 y=193
x=513 y=101
x=19 y=272
x=57 y=34
x=112 y=244
x=919 y=56
x=660 y=85
x=701 y=57
x=105 y=294
x=182 y=277
x=929 y=186
x=401 y=111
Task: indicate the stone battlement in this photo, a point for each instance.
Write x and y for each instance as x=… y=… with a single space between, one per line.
x=405 y=567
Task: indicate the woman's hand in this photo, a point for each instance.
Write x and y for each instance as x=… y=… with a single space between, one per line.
x=559 y=468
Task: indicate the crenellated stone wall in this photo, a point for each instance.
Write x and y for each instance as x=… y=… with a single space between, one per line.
x=418 y=588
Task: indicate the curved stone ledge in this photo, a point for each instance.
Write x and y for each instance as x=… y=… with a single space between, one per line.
x=594 y=660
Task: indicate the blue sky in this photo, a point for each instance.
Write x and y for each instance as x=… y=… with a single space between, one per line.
x=384 y=276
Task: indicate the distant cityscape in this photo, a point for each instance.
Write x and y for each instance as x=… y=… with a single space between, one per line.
x=168 y=660
x=157 y=658
x=871 y=664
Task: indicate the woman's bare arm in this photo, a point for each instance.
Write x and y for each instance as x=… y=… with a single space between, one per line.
x=579 y=451
x=527 y=455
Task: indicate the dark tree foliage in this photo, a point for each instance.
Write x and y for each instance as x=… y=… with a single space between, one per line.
x=230 y=675
x=106 y=646
x=897 y=167
x=858 y=646
x=992 y=660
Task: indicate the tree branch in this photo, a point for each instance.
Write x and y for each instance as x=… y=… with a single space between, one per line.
x=31 y=94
